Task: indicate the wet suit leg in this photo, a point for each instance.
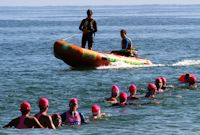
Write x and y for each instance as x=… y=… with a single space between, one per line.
x=90 y=42
x=84 y=39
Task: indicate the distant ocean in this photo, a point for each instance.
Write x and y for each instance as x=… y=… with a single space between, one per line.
x=167 y=35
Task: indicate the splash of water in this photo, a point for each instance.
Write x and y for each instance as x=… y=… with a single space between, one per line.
x=122 y=65
x=187 y=63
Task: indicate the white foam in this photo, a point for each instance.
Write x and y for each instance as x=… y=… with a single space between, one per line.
x=187 y=63
x=121 y=65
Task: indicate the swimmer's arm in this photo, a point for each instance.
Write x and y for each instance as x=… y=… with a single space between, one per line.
x=36 y=123
x=12 y=123
x=83 y=119
x=50 y=125
x=110 y=101
x=104 y=114
x=63 y=117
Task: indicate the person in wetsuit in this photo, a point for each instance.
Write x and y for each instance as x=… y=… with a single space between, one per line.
x=88 y=26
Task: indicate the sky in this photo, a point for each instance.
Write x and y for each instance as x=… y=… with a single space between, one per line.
x=92 y=2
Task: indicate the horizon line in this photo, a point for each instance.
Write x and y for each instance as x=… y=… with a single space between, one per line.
x=192 y=4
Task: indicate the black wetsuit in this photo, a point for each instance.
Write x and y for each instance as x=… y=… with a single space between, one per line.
x=89 y=27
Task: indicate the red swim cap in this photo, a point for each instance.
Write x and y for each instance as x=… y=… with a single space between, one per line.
x=158 y=80
x=25 y=106
x=133 y=88
x=164 y=80
x=151 y=86
x=43 y=103
x=95 y=108
x=115 y=89
x=73 y=100
x=192 y=80
x=123 y=96
x=181 y=78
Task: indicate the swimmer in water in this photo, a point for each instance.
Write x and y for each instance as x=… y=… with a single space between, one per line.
x=164 y=83
x=192 y=82
x=25 y=120
x=151 y=91
x=133 y=90
x=114 y=95
x=96 y=112
x=159 y=84
x=189 y=78
x=42 y=116
x=57 y=121
x=72 y=117
x=184 y=78
x=122 y=100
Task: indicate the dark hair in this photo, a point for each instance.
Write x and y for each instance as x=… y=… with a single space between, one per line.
x=123 y=31
x=57 y=120
x=89 y=12
x=187 y=76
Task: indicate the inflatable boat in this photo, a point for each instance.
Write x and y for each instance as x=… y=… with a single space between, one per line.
x=78 y=57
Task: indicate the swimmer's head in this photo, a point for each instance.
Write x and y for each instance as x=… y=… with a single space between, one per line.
x=192 y=80
x=187 y=76
x=25 y=107
x=115 y=91
x=133 y=89
x=152 y=88
x=57 y=121
x=158 y=82
x=164 y=80
x=43 y=103
x=95 y=109
x=73 y=104
x=123 y=97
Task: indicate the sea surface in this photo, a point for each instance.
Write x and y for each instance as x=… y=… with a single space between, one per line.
x=169 y=36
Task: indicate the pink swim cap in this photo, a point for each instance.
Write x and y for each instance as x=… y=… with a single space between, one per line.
x=164 y=80
x=95 y=108
x=25 y=106
x=123 y=96
x=43 y=103
x=192 y=80
x=158 y=80
x=73 y=100
x=151 y=86
x=133 y=88
x=115 y=89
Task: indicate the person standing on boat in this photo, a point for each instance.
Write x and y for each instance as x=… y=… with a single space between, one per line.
x=126 y=45
x=88 y=26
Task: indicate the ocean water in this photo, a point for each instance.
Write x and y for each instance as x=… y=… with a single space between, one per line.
x=167 y=35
